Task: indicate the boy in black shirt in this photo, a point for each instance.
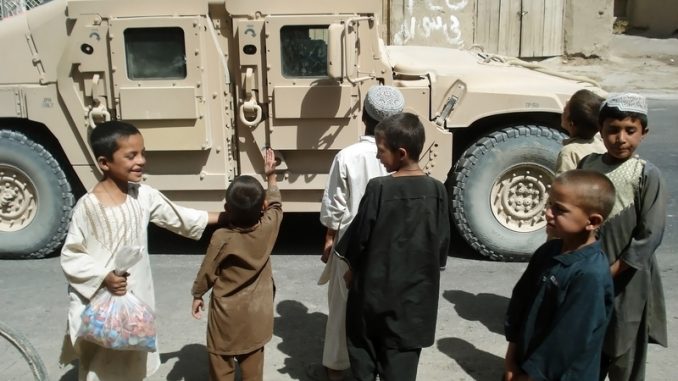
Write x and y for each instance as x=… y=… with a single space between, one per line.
x=395 y=247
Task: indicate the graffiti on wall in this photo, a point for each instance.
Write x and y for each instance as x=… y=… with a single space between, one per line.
x=435 y=19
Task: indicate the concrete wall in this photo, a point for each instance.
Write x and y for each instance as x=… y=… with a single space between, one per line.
x=450 y=23
x=588 y=26
x=657 y=18
x=447 y=23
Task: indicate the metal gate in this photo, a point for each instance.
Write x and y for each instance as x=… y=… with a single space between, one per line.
x=523 y=28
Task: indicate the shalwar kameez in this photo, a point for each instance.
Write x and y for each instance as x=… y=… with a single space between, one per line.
x=351 y=169
x=237 y=268
x=395 y=247
x=632 y=233
x=95 y=234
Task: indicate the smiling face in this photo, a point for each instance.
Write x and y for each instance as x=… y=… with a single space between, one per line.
x=565 y=219
x=622 y=137
x=127 y=163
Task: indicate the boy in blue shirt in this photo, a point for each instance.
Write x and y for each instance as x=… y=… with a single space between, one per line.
x=560 y=307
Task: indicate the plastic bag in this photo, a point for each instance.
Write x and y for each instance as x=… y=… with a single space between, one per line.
x=126 y=257
x=120 y=322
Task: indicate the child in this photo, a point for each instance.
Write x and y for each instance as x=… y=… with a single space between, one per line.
x=580 y=120
x=560 y=307
x=394 y=248
x=351 y=169
x=630 y=238
x=237 y=268
x=112 y=216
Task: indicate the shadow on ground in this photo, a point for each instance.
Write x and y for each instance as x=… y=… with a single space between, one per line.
x=72 y=374
x=302 y=335
x=478 y=364
x=488 y=309
x=191 y=363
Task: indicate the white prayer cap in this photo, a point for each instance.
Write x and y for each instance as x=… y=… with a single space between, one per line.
x=383 y=101
x=627 y=102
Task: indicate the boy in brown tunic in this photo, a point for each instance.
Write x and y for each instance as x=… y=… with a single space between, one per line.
x=237 y=268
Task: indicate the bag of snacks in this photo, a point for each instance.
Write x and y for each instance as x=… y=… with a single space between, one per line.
x=120 y=322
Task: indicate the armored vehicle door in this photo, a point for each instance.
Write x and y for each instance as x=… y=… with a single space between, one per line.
x=308 y=116
x=157 y=80
x=163 y=67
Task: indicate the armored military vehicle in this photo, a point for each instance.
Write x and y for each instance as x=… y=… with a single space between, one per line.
x=212 y=83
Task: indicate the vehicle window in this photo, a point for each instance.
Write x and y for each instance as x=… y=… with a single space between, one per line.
x=304 y=50
x=155 y=53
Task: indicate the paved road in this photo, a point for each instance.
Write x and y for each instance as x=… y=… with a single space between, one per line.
x=469 y=344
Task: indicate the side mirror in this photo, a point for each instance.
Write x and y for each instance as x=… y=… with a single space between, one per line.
x=336 y=46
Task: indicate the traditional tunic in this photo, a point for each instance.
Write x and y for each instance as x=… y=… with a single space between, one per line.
x=237 y=268
x=575 y=149
x=95 y=234
x=559 y=311
x=394 y=247
x=351 y=169
x=632 y=234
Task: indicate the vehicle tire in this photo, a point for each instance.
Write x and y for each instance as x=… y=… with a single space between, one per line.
x=499 y=187
x=27 y=350
x=35 y=199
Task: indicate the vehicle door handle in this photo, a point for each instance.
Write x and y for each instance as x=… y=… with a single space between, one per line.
x=250 y=105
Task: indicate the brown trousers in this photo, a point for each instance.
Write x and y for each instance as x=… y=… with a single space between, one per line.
x=222 y=367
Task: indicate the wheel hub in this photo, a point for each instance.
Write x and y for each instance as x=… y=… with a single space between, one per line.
x=17 y=199
x=519 y=196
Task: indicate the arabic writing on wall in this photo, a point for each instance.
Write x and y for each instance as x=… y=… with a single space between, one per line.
x=437 y=18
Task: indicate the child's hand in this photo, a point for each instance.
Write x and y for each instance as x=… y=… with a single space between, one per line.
x=327 y=250
x=197 y=308
x=269 y=162
x=116 y=284
x=511 y=368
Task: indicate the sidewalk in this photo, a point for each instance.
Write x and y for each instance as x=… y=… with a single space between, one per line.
x=644 y=65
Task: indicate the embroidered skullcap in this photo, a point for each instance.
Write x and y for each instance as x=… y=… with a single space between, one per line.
x=627 y=102
x=383 y=101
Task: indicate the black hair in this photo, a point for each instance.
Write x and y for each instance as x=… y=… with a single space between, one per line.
x=104 y=138
x=584 y=106
x=595 y=192
x=244 y=198
x=403 y=130
x=607 y=112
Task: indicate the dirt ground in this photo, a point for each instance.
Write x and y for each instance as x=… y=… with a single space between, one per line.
x=635 y=63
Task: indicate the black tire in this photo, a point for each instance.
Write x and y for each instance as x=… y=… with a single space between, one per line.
x=35 y=199
x=27 y=351
x=498 y=189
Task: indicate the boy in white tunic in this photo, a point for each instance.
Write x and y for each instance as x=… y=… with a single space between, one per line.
x=351 y=169
x=113 y=215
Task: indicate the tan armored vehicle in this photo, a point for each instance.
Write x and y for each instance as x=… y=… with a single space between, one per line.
x=211 y=83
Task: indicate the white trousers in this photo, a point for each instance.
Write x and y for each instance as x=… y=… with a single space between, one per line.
x=335 y=354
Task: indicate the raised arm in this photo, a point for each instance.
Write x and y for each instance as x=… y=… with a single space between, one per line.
x=270 y=164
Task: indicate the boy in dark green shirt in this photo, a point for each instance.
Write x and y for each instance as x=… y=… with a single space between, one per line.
x=560 y=307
